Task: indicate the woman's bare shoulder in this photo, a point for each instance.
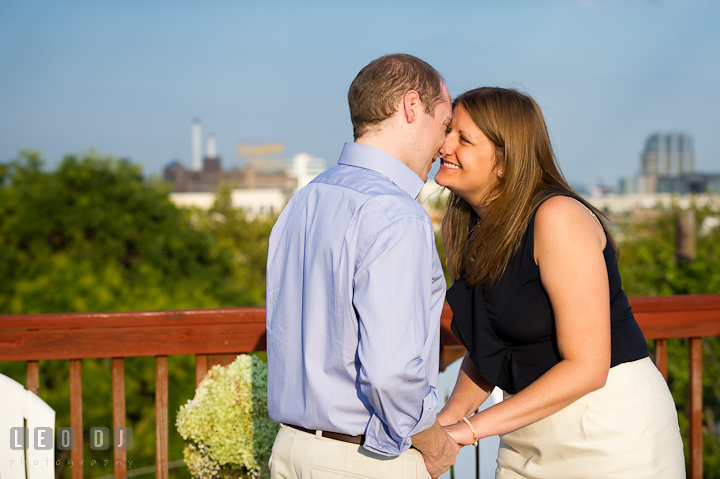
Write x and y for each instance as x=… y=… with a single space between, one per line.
x=565 y=211
x=562 y=218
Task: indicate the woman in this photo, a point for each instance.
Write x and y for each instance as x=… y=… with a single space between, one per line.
x=538 y=304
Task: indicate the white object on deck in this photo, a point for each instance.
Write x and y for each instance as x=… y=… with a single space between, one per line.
x=21 y=408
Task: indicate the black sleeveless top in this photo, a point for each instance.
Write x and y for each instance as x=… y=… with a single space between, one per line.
x=509 y=330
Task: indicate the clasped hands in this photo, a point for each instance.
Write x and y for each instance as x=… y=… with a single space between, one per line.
x=441 y=443
x=457 y=429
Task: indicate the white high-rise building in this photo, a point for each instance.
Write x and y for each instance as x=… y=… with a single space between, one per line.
x=196 y=145
x=305 y=167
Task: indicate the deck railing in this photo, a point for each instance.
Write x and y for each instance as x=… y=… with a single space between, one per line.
x=215 y=336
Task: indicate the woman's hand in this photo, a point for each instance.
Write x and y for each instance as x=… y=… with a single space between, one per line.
x=460 y=433
x=449 y=416
x=444 y=418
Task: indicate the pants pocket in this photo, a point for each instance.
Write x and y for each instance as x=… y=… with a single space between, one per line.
x=622 y=413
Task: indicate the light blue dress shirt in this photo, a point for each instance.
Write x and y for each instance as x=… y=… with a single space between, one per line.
x=355 y=289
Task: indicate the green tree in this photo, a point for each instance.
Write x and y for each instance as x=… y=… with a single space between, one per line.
x=95 y=236
x=245 y=237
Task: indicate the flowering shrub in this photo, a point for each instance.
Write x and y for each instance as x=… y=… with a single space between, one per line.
x=226 y=425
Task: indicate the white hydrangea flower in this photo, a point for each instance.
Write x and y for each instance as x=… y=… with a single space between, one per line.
x=226 y=425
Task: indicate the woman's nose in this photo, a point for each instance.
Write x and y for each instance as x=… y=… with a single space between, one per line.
x=446 y=150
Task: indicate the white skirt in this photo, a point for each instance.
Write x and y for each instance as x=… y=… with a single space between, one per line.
x=626 y=429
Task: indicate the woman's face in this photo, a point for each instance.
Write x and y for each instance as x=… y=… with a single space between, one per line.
x=467 y=160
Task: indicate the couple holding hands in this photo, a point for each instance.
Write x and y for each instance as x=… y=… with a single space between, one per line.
x=355 y=290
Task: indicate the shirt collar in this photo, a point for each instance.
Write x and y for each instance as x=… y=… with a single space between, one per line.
x=370 y=158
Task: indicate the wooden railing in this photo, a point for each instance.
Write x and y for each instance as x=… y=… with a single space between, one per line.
x=215 y=336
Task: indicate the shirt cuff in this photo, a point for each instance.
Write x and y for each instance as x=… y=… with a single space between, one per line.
x=380 y=439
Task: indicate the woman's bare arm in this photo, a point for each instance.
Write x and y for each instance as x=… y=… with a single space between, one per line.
x=569 y=245
x=470 y=391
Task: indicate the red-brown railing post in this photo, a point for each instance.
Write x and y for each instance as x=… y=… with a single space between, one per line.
x=695 y=413
x=33 y=376
x=221 y=359
x=76 y=419
x=661 y=357
x=201 y=368
x=118 y=383
x=161 y=417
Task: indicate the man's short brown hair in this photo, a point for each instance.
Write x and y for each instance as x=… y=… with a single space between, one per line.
x=377 y=89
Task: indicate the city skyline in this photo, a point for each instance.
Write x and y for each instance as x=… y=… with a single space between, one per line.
x=128 y=78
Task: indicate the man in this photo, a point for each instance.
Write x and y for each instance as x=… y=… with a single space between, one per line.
x=355 y=290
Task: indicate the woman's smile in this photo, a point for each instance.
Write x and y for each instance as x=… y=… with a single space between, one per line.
x=447 y=165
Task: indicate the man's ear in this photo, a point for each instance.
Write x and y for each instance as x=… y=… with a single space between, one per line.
x=411 y=105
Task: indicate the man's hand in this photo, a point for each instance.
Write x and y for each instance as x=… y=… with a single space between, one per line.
x=438 y=449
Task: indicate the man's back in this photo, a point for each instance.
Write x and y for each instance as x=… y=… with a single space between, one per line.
x=355 y=290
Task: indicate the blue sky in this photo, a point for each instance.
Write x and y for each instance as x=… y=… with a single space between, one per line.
x=127 y=77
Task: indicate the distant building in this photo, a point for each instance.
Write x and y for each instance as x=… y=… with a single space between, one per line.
x=667 y=165
x=257 y=193
x=263 y=186
x=304 y=168
x=690 y=183
x=628 y=186
x=212 y=175
x=258 y=201
x=619 y=205
x=668 y=154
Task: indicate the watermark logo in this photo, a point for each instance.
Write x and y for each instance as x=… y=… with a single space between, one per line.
x=19 y=438
x=49 y=462
x=66 y=438
x=99 y=438
x=123 y=438
x=43 y=439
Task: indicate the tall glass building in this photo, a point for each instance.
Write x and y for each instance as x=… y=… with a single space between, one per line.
x=668 y=154
x=665 y=155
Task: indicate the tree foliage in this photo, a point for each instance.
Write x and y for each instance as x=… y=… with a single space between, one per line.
x=244 y=238
x=95 y=236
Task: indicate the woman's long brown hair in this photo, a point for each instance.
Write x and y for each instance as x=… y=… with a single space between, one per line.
x=514 y=124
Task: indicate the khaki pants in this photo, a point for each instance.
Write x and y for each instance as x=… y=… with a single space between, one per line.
x=299 y=455
x=626 y=429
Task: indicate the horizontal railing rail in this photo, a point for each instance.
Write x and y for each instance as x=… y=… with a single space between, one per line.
x=215 y=336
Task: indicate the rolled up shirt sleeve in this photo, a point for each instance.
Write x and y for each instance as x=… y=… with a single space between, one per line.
x=393 y=288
